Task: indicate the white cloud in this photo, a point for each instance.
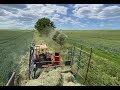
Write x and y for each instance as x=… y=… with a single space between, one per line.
x=96 y=11
x=86 y=9
x=35 y=10
x=105 y=24
x=29 y=13
x=25 y=16
x=110 y=12
x=9 y=24
x=47 y=10
x=18 y=6
x=15 y=25
x=2 y=13
x=65 y=20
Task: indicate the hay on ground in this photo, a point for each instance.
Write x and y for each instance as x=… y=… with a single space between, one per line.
x=67 y=77
x=51 y=78
x=60 y=76
x=71 y=84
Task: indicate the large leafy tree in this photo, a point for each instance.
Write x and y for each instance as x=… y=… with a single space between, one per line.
x=44 y=25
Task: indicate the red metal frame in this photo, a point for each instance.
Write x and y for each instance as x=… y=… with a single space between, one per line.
x=55 y=61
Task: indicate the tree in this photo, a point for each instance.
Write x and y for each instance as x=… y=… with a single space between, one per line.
x=55 y=35
x=61 y=39
x=44 y=25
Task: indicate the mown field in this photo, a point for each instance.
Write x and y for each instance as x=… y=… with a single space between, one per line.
x=105 y=63
x=13 y=45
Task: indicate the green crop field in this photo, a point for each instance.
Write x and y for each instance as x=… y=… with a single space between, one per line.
x=13 y=44
x=105 y=62
x=104 y=66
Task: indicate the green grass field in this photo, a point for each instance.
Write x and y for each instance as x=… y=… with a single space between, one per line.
x=105 y=63
x=13 y=44
x=105 y=43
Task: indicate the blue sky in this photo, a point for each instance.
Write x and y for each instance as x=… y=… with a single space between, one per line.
x=65 y=16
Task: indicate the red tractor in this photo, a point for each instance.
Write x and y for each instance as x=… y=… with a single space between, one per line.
x=44 y=58
x=41 y=58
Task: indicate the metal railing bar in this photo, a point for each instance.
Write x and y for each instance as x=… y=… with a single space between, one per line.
x=11 y=78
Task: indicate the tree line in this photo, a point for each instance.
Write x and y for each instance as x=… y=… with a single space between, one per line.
x=45 y=26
